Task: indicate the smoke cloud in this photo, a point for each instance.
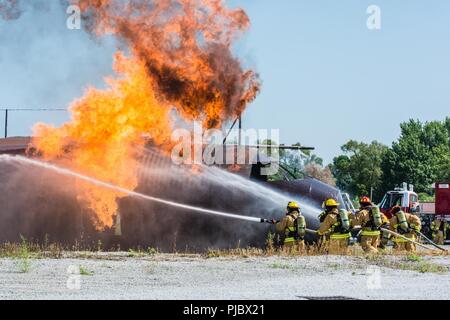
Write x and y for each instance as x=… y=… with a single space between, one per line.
x=177 y=54
x=10 y=9
x=186 y=47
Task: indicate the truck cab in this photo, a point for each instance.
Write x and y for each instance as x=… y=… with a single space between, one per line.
x=404 y=197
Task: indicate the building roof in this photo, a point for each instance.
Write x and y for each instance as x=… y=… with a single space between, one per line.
x=14 y=144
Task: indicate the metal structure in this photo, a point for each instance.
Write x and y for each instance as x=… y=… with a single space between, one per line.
x=259 y=146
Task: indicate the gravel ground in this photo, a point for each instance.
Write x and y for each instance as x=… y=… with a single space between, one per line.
x=162 y=276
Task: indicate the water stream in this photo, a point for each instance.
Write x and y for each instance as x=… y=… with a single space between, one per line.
x=70 y=173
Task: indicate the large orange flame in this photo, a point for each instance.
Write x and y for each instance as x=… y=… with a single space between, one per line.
x=179 y=58
x=105 y=135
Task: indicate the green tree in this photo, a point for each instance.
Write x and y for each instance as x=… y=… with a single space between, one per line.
x=420 y=156
x=358 y=170
x=299 y=163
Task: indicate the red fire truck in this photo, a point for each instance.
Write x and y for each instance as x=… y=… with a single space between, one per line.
x=403 y=196
x=442 y=206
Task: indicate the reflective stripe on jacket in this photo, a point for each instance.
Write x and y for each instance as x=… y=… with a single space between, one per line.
x=289 y=231
x=338 y=236
x=370 y=233
x=286 y=227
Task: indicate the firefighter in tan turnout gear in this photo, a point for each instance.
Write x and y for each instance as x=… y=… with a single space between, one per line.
x=329 y=206
x=292 y=228
x=439 y=228
x=371 y=220
x=335 y=227
x=405 y=224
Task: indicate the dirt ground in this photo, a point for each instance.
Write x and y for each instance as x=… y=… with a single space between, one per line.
x=172 y=276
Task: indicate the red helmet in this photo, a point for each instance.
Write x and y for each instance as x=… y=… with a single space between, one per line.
x=365 y=199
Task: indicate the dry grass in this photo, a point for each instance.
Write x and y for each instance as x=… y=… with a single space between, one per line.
x=411 y=262
x=28 y=250
x=388 y=259
x=312 y=250
x=32 y=250
x=25 y=252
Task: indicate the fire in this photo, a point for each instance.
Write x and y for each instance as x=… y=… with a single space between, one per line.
x=178 y=58
x=105 y=135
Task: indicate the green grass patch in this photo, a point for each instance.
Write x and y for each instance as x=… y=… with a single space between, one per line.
x=413 y=258
x=22 y=256
x=334 y=266
x=85 y=272
x=410 y=262
x=426 y=267
x=281 y=266
x=152 y=251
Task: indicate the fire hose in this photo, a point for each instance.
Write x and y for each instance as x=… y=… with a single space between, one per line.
x=405 y=238
x=382 y=229
x=107 y=185
x=274 y=222
x=408 y=239
x=430 y=242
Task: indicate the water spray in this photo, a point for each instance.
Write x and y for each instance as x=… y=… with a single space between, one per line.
x=214 y=175
x=135 y=194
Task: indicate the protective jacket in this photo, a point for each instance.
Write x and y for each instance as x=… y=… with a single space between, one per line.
x=332 y=225
x=438 y=225
x=288 y=227
x=413 y=224
x=365 y=218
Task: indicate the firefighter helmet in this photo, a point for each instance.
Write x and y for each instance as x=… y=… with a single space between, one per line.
x=331 y=203
x=365 y=199
x=293 y=205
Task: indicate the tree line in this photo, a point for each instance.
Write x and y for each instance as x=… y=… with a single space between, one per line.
x=420 y=156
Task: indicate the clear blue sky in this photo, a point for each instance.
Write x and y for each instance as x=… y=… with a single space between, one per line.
x=326 y=77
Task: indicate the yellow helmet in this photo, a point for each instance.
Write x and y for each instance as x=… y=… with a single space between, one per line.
x=331 y=203
x=293 y=205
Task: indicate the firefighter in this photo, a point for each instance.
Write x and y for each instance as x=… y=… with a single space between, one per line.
x=292 y=228
x=439 y=227
x=336 y=227
x=323 y=239
x=371 y=220
x=405 y=224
